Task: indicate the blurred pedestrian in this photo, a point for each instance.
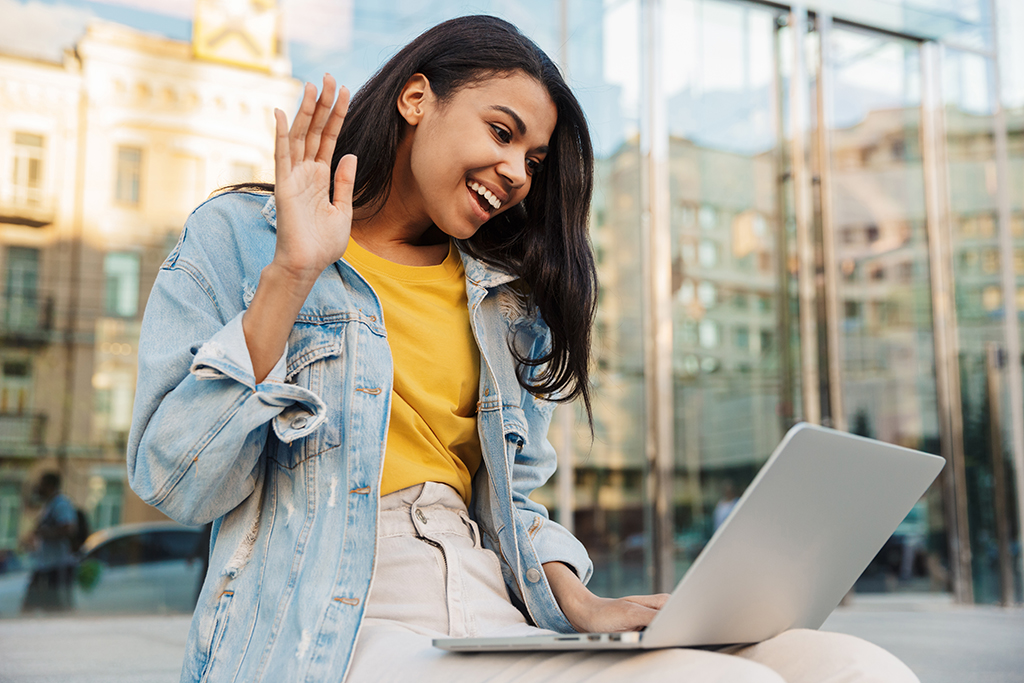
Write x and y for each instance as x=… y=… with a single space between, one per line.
x=50 y=545
x=725 y=504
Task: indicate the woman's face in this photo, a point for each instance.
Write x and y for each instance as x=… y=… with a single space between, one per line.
x=474 y=155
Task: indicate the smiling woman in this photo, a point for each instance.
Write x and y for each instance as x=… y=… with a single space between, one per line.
x=464 y=160
x=367 y=360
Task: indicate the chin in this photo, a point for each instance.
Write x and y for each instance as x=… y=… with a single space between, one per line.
x=464 y=235
x=462 y=232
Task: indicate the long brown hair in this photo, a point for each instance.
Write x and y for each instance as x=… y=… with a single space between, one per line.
x=545 y=240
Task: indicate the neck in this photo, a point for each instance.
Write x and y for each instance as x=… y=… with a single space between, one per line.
x=388 y=236
x=401 y=231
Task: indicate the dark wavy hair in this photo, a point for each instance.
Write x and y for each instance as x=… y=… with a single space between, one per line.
x=544 y=241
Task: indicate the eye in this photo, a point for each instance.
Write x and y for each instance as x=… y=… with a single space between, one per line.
x=534 y=166
x=502 y=134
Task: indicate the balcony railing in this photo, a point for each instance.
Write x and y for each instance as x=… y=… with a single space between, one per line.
x=26 y=321
x=21 y=434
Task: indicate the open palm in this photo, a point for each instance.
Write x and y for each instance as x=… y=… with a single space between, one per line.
x=312 y=231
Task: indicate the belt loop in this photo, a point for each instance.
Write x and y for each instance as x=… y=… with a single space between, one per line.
x=474 y=530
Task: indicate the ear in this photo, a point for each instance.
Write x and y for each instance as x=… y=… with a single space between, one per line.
x=414 y=98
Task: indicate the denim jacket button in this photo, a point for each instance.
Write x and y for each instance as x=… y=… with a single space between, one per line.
x=532 y=575
x=299 y=422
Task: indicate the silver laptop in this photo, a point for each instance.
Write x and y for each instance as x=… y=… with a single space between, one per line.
x=815 y=515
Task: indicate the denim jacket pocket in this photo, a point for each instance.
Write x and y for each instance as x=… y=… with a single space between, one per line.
x=514 y=426
x=220 y=622
x=314 y=354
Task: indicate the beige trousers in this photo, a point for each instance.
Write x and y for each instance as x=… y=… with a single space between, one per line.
x=434 y=579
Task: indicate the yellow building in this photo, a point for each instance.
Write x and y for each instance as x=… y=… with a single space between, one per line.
x=102 y=157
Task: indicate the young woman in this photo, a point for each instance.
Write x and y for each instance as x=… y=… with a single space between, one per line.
x=352 y=373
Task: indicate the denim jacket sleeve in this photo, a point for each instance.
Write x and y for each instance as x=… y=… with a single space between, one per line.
x=534 y=464
x=553 y=542
x=200 y=421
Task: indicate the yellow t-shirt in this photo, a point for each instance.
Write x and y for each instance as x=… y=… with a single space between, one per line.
x=432 y=434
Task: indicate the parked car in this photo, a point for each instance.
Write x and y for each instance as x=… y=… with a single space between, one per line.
x=143 y=568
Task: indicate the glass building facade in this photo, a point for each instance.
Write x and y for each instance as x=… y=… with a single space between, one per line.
x=803 y=211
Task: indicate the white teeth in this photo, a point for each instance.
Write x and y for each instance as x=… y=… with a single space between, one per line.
x=485 y=193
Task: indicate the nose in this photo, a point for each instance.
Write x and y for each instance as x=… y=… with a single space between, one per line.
x=513 y=169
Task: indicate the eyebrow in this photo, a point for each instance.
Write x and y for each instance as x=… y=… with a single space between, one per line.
x=515 y=117
x=520 y=124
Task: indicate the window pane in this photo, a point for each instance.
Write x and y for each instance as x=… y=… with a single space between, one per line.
x=120 y=552
x=971 y=158
x=886 y=342
x=733 y=392
x=21 y=294
x=27 y=168
x=604 y=55
x=28 y=139
x=179 y=545
x=10 y=515
x=129 y=174
x=34 y=166
x=122 y=284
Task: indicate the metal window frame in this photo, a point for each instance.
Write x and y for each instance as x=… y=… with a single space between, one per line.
x=833 y=339
x=656 y=276
x=803 y=212
x=879 y=30
x=944 y=320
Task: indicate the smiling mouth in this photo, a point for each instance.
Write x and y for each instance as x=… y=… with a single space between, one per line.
x=485 y=197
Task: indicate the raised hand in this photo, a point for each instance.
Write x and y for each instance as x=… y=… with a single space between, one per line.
x=312 y=231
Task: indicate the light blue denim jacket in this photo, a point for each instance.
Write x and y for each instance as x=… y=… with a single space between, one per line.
x=290 y=468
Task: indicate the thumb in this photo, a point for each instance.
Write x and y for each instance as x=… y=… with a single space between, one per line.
x=344 y=182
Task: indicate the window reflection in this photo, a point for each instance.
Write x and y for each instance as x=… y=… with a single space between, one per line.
x=978 y=264
x=609 y=479
x=886 y=336
x=722 y=94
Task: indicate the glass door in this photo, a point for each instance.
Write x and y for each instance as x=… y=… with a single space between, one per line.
x=881 y=347
x=732 y=296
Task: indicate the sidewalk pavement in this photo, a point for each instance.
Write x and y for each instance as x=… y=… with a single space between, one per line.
x=941 y=642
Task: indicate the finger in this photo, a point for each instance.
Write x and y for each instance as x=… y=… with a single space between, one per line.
x=622 y=614
x=333 y=127
x=297 y=135
x=344 y=182
x=320 y=115
x=282 y=158
x=656 y=601
x=638 y=616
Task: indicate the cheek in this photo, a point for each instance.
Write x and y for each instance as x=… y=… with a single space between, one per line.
x=429 y=176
